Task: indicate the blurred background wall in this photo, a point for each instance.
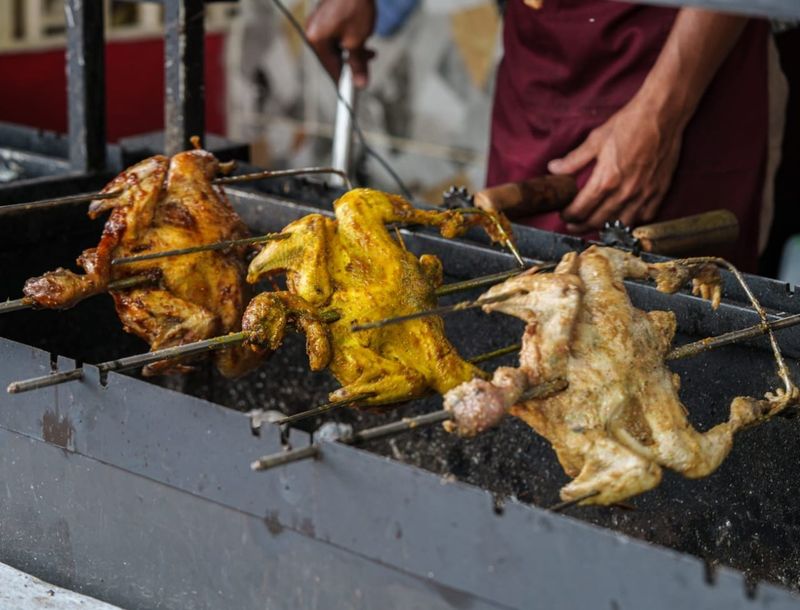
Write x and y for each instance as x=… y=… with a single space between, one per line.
x=426 y=109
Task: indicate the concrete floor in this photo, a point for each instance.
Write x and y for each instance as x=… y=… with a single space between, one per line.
x=20 y=591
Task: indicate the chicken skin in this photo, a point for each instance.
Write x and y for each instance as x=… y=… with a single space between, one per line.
x=620 y=419
x=352 y=266
x=164 y=204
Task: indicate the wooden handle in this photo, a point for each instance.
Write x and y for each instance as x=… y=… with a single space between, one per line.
x=690 y=235
x=529 y=197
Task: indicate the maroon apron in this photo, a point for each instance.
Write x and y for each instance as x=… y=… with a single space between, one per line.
x=570 y=65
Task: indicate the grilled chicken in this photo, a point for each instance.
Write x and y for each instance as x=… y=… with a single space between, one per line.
x=164 y=204
x=352 y=266
x=620 y=418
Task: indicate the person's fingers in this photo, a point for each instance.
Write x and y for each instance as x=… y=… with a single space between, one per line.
x=651 y=206
x=324 y=41
x=575 y=159
x=359 y=62
x=610 y=209
x=586 y=201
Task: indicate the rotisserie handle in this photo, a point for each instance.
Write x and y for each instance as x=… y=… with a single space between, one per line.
x=691 y=235
x=529 y=197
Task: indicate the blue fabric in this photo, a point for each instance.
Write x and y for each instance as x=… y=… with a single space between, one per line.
x=392 y=14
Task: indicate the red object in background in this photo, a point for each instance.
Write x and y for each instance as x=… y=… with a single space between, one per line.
x=34 y=87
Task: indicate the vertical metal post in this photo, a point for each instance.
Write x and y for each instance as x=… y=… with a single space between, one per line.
x=184 y=100
x=86 y=84
x=343 y=125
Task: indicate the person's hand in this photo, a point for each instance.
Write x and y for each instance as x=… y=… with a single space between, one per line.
x=343 y=25
x=635 y=154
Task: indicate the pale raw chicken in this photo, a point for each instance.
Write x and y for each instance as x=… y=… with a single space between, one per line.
x=620 y=419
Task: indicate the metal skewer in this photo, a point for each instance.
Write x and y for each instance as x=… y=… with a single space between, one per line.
x=330 y=406
x=43 y=204
x=128 y=282
x=217 y=245
x=684 y=351
x=557 y=508
x=283 y=173
x=509 y=242
x=370 y=434
x=25 y=303
x=189 y=349
x=436 y=311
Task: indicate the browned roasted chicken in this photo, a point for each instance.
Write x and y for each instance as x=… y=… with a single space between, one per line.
x=165 y=204
x=620 y=419
x=353 y=267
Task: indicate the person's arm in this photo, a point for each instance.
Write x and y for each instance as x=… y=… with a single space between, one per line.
x=343 y=25
x=637 y=149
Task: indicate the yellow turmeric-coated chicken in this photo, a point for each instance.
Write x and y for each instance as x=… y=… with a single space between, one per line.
x=620 y=419
x=354 y=267
x=165 y=204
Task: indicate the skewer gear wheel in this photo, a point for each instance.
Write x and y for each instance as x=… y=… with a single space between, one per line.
x=618 y=235
x=458 y=197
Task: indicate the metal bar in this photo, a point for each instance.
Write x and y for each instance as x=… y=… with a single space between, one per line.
x=734 y=336
x=282 y=173
x=184 y=100
x=43 y=204
x=343 y=125
x=198 y=347
x=398 y=427
x=83 y=197
x=220 y=245
x=370 y=434
x=436 y=311
x=25 y=303
x=328 y=406
x=86 y=84
x=287 y=457
x=37 y=383
x=486 y=280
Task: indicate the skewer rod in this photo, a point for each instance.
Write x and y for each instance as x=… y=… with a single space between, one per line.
x=404 y=425
x=370 y=434
x=283 y=173
x=328 y=406
x=25 y=303
x=478 y=282
x=44 y=204
x=36 y=383
x=734 y=336
x=436 y=311
x=207 y=345
x=219 y=245
x=287 y=457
